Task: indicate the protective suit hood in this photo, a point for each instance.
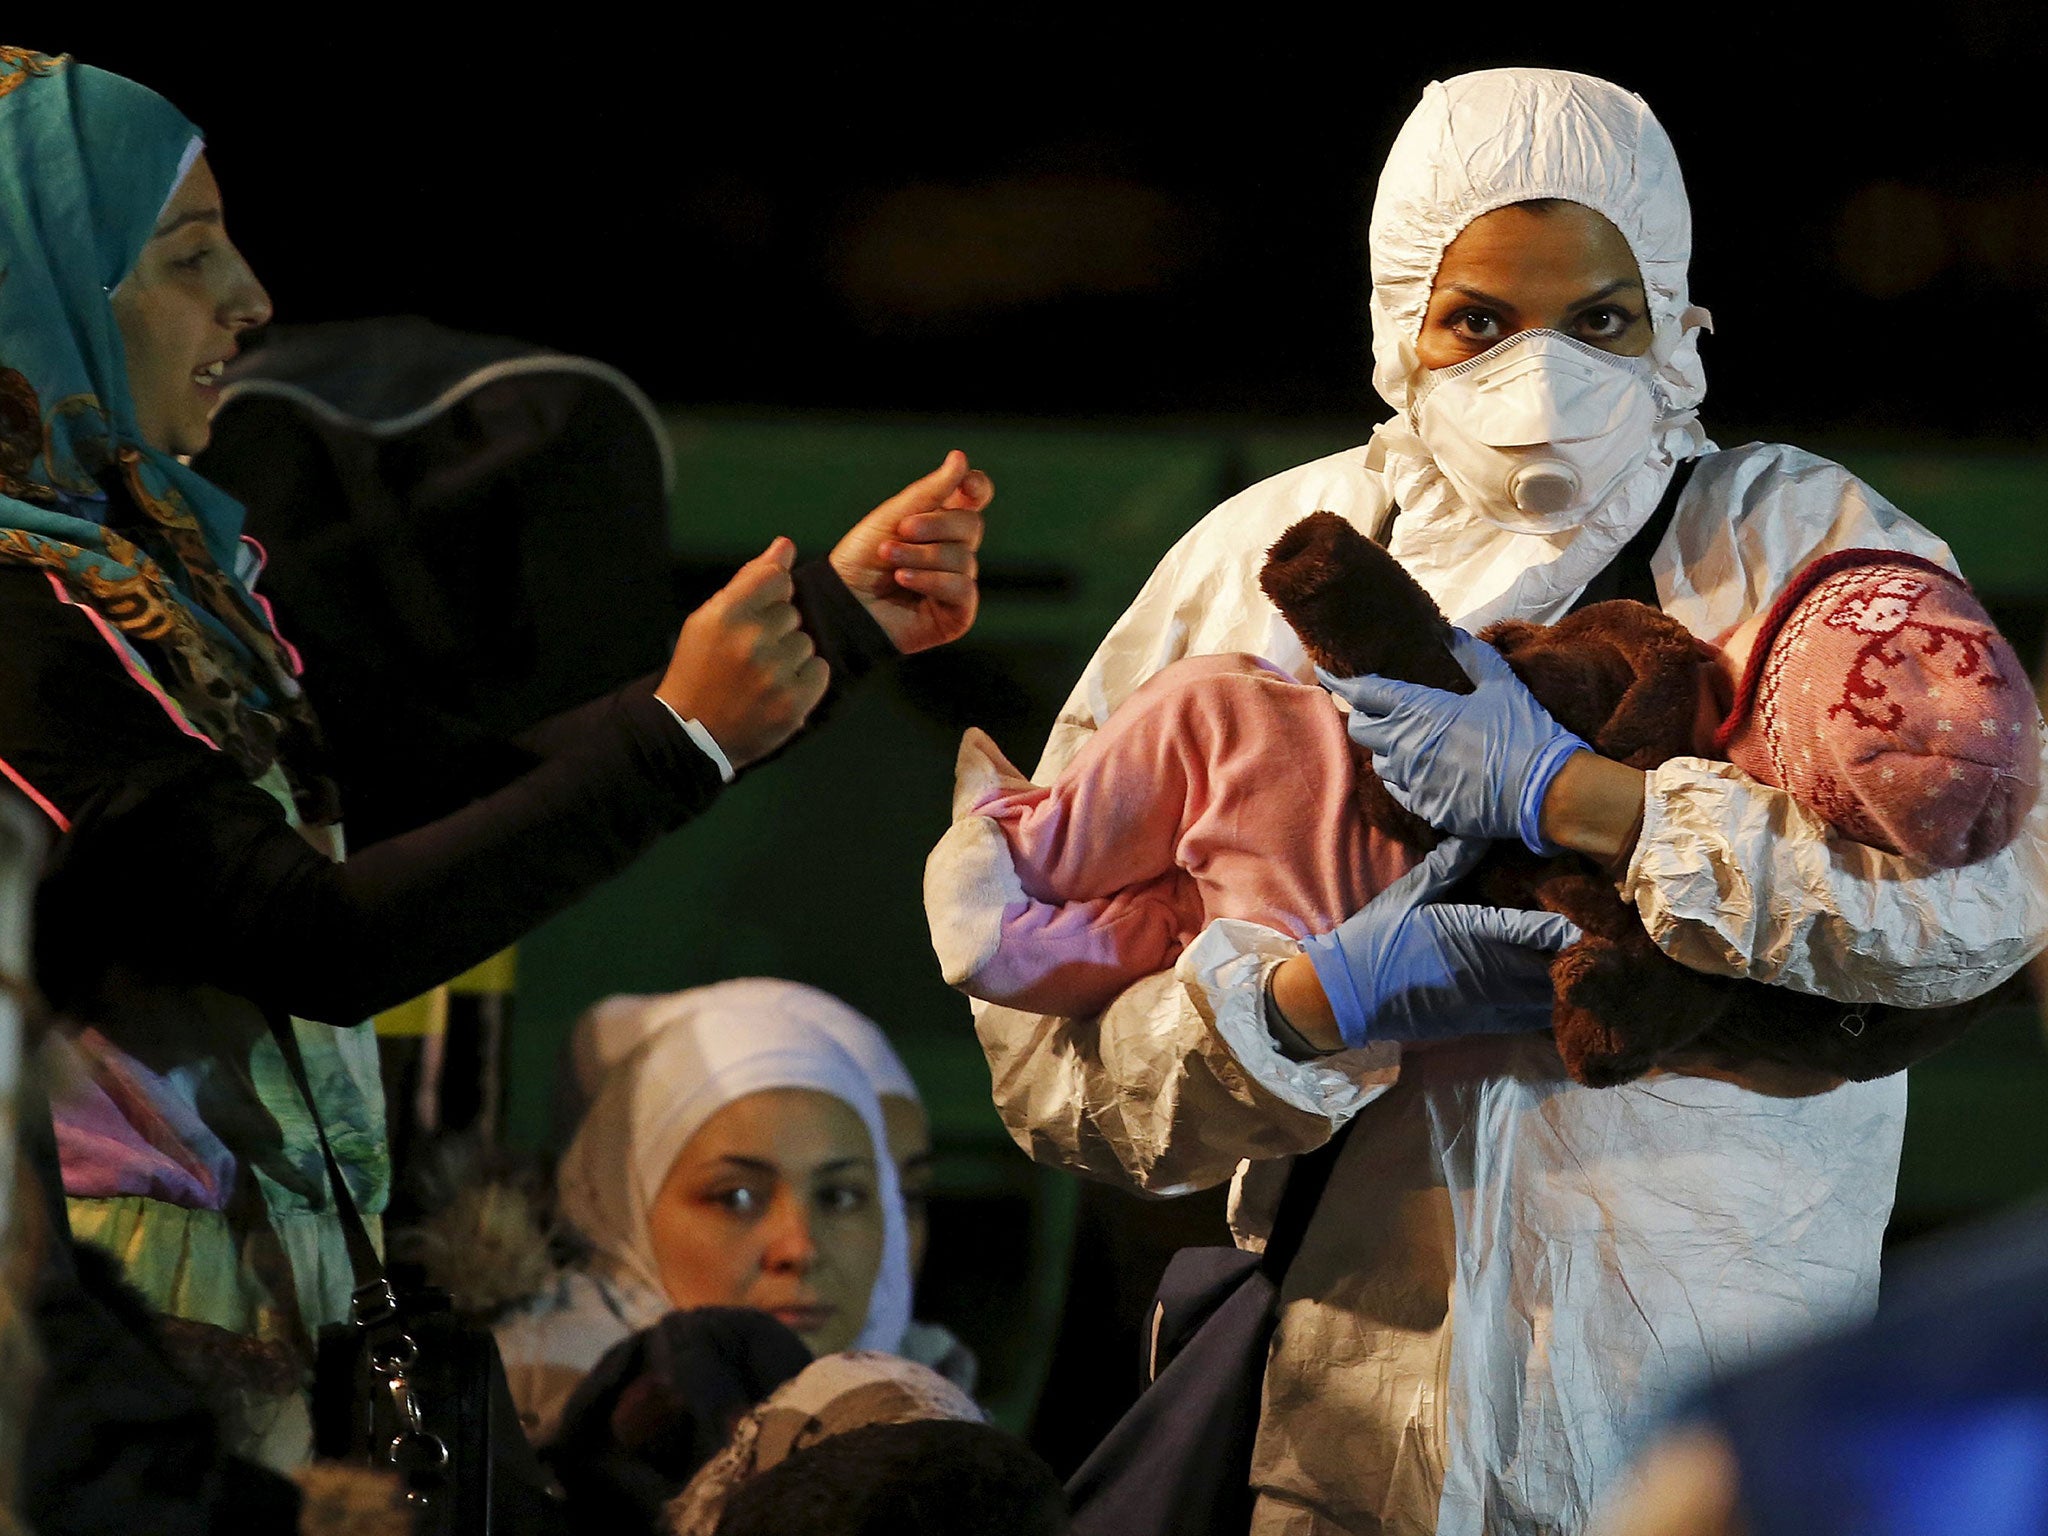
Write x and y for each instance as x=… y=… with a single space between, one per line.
x=1480 y=142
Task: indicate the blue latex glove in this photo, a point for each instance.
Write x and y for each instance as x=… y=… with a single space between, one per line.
x=1473 y=764
x=1402 y=969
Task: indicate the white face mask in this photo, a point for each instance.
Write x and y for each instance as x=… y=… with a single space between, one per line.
x=1538 y=431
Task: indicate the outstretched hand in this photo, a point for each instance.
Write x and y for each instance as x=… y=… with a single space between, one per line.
x=911 y=561
x=743 y=668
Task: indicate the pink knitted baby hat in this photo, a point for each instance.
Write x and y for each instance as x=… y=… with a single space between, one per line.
x=1880 y=696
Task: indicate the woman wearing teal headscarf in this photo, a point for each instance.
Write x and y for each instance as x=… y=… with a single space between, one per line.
x=150 y=708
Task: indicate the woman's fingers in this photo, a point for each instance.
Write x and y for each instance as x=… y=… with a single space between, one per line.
x=930 y=492
x=811 y=680
x=764 y=580
x=779 y=618
x=911 y=561
x=787 y=651
x=743 y=667
x=930 y=557
x=947 y=526
x=948 y=587
x=974 y=492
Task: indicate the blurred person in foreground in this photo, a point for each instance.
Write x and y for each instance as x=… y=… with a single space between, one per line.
x=863 y=1443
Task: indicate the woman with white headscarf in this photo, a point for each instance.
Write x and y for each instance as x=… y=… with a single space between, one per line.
x=612 y=1029
x=1507 y=1272
x=730 y=1159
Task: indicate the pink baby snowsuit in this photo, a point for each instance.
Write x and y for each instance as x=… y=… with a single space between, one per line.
x=1221 y=788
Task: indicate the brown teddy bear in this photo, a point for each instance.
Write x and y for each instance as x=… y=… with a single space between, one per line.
x=1628 y=680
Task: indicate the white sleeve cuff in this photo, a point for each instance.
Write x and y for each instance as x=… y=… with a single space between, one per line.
x=702 y=737
x=1225 y=969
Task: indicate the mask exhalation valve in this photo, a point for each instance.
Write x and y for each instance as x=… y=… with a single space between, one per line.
x=1546 y=486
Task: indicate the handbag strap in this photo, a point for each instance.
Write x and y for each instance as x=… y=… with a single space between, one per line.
x=417 y=1453
x=373 y=1305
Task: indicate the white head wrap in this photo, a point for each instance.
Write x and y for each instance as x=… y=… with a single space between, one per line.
x=611 y=1030
x=1477 y=143
x=703 y=1057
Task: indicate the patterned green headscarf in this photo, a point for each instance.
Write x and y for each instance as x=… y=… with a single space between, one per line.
x=87 y=162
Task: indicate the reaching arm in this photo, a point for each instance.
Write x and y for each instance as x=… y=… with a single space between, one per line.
x=169 y=860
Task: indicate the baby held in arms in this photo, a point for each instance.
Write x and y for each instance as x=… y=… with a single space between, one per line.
x=1875 y=690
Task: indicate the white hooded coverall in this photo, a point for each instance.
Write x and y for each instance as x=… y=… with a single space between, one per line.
x=1510 y=1274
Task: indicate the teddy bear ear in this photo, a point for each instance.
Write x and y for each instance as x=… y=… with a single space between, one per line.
x=1656 y=719
x=1509 y=636
x=1354 y=608
x=1581 y=683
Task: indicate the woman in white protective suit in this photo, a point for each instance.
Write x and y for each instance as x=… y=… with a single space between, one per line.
x=1509 y=1274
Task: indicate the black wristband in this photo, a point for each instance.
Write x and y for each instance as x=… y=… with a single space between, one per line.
x=1293 y=1044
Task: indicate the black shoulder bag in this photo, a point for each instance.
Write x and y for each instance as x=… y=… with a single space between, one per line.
x=410 y=1388
x=1178 y=1463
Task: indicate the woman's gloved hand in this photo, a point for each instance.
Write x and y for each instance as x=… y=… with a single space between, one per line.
x=1473 y=765
x=1401 y=968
